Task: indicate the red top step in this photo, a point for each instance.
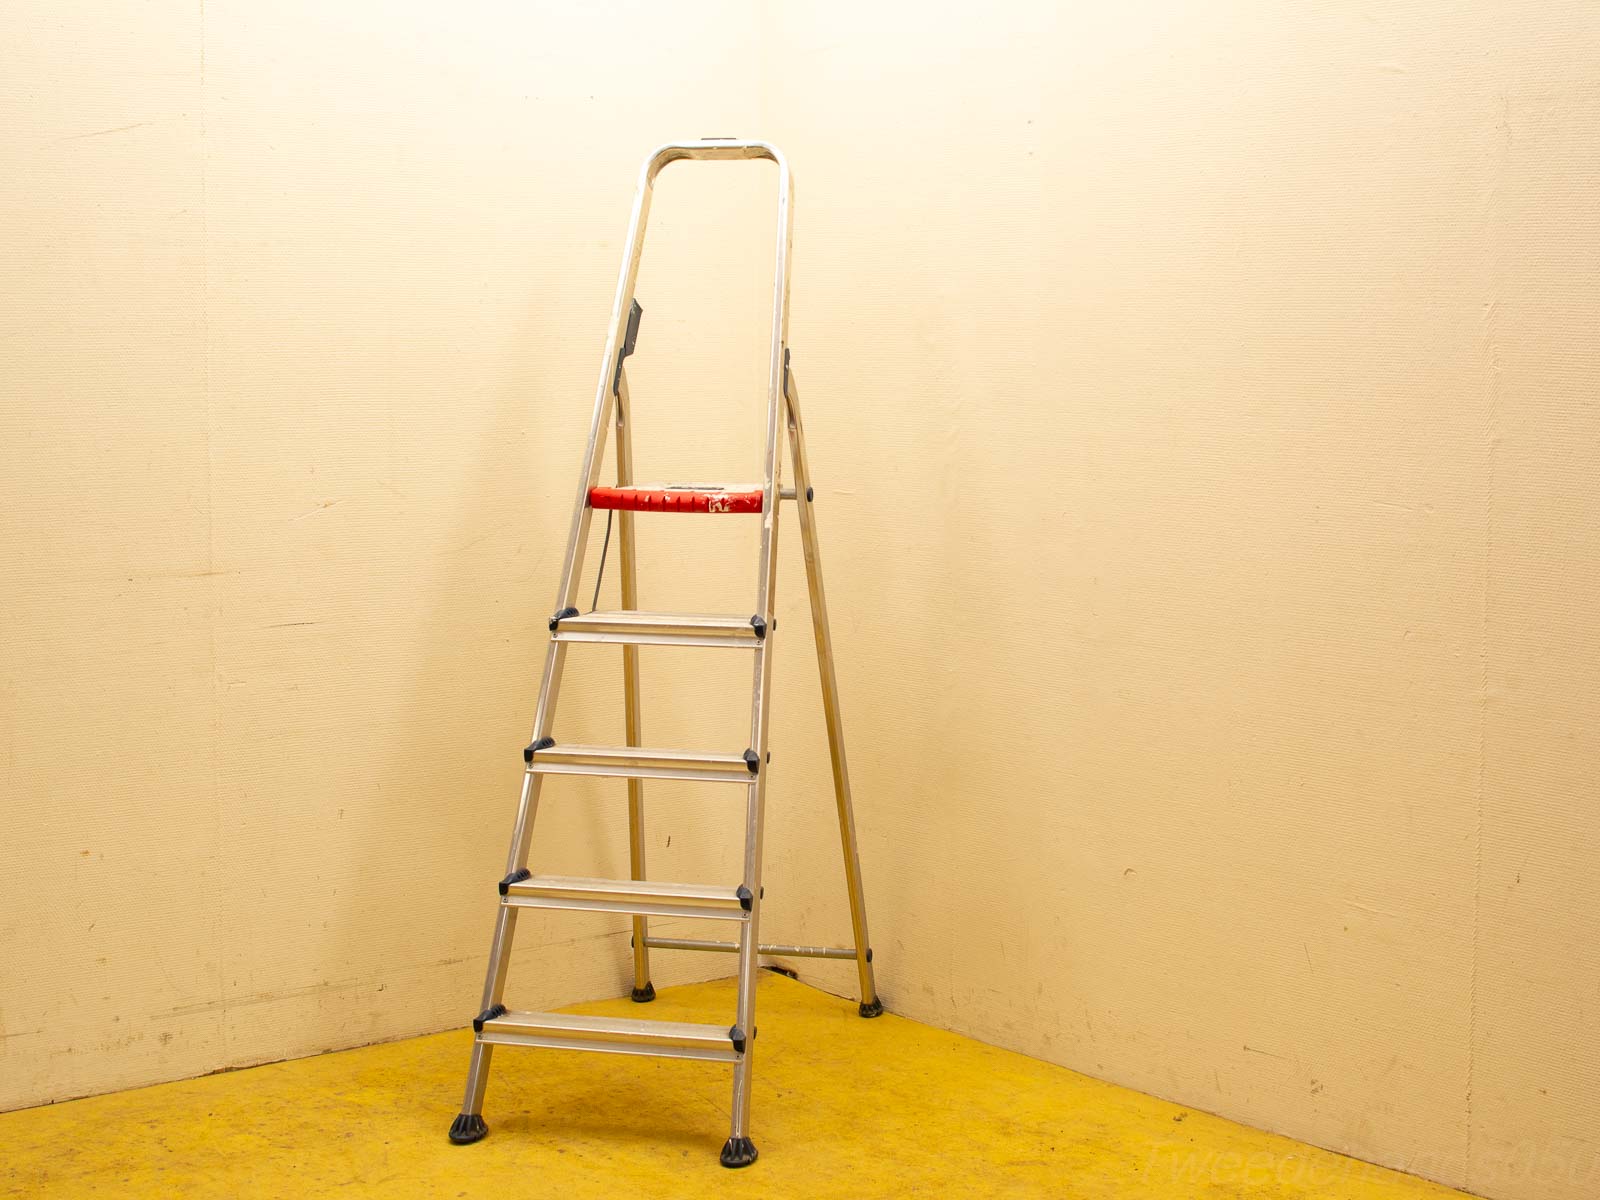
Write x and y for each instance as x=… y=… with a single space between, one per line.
x=680 y=497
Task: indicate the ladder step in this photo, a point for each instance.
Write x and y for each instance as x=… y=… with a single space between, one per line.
x=632 y=628
x=680 y=497
x=637 y=762
x=609 y=1035
x=639 y=897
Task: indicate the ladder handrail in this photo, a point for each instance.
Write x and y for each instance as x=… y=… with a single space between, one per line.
x=701 y=149
x=710 y=150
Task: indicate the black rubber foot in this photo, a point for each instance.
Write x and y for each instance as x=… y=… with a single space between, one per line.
x=875 y=1009
x=738 y=1152
x=645 y=994
x=468 y=1128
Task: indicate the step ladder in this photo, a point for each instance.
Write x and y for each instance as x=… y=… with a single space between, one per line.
x=738 y=904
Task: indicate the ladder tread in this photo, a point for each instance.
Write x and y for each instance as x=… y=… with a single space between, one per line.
x=616 y=1035
x=640 y=762
x=633 y=627
x=680 y=497
x=642 y=897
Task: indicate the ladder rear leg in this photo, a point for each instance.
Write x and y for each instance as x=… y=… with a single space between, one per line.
x=871 y=1006
x=643 y=990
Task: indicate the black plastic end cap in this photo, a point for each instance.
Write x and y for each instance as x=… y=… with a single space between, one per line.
x=746 y=897
x=869 y=953
x=736 y=1036
x=753 y=761
x=645 y=994
x=543 y=743
x=468 y=1128
x=561 y=616
x=738 y=1152
x=515 y=877
x=759 y=624
x=874 y=1009
x=810 y=494
x=487 y=1015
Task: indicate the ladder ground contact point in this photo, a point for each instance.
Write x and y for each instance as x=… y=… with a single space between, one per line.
x=738 y=1152
x=468 y=1128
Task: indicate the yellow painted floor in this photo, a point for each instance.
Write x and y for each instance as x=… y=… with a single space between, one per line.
x=843 y=1108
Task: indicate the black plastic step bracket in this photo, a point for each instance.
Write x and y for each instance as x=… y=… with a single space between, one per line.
x=487 y=1015
x=543 y=743
x=516 y=876
x=555 y=621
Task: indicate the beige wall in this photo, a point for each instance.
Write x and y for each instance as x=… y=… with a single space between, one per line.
x=301 y=322
x=1203 y=400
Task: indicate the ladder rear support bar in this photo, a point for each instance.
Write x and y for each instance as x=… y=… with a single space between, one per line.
x=842 y=952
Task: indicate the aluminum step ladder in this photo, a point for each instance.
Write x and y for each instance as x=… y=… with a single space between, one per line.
x=738 y=904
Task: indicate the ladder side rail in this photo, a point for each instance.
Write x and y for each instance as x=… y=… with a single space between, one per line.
x=739 y=1150
x=582 y=514
x=469 y=1125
